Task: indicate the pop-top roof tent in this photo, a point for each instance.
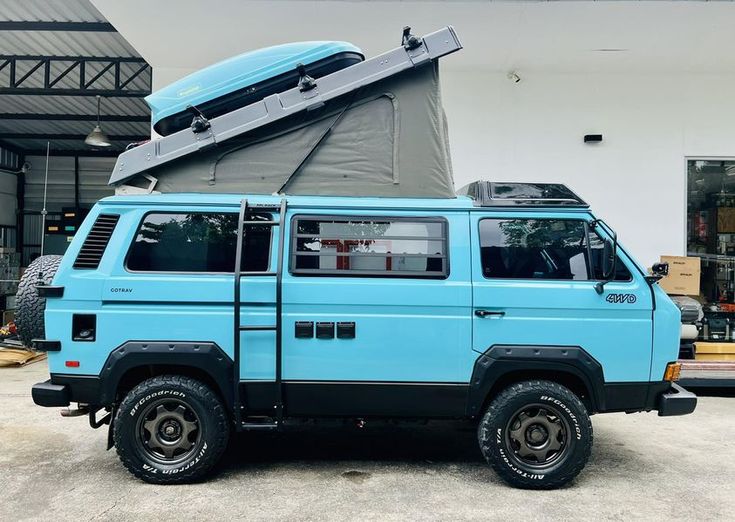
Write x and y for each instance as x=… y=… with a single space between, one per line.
x=340 y=126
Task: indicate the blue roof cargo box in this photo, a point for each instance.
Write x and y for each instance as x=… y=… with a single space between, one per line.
x=245 y=79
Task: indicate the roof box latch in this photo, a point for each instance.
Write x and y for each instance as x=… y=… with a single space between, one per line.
x=409 y=41
x=200 y=123
x=306 y=82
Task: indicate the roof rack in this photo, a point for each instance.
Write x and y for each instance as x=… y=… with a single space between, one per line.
x=410 y=54
x=511 y=194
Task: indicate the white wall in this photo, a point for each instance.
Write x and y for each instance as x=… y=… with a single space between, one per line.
x=635 y=178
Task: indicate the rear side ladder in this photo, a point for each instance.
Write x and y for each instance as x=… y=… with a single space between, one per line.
x=244 y=222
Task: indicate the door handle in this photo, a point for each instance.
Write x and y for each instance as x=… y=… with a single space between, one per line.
x=485 y=313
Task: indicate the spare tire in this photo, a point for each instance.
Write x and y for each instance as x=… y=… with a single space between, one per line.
x=30 y=307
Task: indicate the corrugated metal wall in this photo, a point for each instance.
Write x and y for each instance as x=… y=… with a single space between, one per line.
x=9 y=163
x=8 y=198
x=93 y=176
x=31 y=237
x=60 y=191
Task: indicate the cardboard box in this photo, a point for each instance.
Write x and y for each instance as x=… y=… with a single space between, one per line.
x=683 y=278
x=715 y=351
x=726 y=220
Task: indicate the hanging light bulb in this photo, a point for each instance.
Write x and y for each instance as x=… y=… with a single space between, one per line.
x=97 y=138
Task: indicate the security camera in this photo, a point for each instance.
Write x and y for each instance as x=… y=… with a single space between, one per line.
x=514 y=77
x=25 y=168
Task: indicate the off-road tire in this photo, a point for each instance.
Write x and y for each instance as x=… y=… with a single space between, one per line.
x=29 y=313
x=497 y=448
x=210 y=443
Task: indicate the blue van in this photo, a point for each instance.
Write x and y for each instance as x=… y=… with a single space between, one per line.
x=177 y=319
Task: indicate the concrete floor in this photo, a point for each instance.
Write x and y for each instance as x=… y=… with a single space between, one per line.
x=642 y=467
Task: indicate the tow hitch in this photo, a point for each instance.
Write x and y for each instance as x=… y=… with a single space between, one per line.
x=83 y=409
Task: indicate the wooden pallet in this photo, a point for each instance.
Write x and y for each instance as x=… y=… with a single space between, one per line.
x=707 y=373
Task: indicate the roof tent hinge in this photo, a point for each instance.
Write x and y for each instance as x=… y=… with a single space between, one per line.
x=202 y=129
x=414 y=46
x=127 y=190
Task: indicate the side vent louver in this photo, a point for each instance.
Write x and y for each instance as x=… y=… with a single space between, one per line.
x=94 y=245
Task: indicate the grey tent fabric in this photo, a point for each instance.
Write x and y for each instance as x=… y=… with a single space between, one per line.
x=388 y=139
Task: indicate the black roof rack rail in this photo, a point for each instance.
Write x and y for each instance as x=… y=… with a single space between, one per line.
x=514 y=194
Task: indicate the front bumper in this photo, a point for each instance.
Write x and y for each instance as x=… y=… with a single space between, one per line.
x=51 y=395
x=677 y=401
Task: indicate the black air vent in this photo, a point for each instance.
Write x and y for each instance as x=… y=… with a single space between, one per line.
x=96 y=242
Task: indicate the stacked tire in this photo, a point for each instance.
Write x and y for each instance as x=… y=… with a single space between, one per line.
x=30 y=307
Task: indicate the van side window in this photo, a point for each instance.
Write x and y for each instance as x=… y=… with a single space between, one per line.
x=542 y=249
x=382 y=247
x=197 y=242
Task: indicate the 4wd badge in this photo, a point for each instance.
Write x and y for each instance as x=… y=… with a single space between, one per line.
x=621 y=298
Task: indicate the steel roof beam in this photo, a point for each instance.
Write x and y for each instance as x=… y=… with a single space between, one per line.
x=72 y=58
x=40 y=91
x=80 y=152
x=65 y=136
x=123 y=118
x=43 y=25
x=86 y=82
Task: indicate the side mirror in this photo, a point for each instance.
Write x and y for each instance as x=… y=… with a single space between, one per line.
x=609 y=255
x=608 y=259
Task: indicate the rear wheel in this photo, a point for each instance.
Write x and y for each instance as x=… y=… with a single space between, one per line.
x=536 y=435
x=170 y=429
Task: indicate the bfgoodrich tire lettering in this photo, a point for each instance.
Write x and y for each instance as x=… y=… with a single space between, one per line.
x=170 y=429
x=536 y=435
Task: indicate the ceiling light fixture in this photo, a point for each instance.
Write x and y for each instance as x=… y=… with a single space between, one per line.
x=97 y=138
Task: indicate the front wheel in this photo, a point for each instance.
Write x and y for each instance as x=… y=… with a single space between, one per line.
x=170 y=429
x=536 y=435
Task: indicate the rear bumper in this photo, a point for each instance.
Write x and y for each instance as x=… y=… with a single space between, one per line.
x=63 y=389
x=51 y=395
x=677 y=401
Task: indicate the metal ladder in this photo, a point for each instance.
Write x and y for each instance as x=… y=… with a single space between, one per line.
x=243 y=223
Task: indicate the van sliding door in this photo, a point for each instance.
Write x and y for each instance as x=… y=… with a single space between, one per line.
x=376 y=314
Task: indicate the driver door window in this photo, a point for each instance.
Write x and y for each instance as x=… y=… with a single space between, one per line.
x=551 y=249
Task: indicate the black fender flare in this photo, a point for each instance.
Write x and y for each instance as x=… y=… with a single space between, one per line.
x=500 y=360
x=203 y=356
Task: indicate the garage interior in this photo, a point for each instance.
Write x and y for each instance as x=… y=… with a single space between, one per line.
x=59 y=62
x=711 y=239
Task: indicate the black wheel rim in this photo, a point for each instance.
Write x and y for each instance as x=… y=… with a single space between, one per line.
x=538 y=436
x=168 y=431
